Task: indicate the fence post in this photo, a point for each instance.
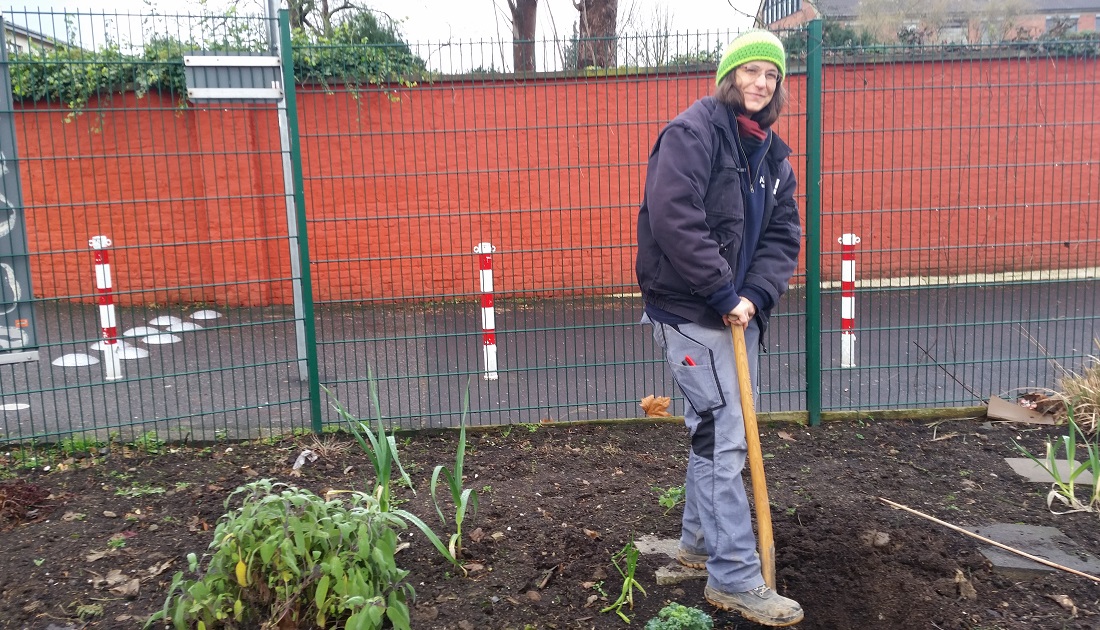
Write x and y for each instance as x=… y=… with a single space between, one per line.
x=106 y=301
x=310 y=328
x=848 y=244
x=488 y=312
x=814 y=86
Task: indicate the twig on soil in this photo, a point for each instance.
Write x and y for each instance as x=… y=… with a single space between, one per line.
x=948 y=372
x=990 y=541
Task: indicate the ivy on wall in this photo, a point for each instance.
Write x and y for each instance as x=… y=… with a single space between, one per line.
x=72 y=77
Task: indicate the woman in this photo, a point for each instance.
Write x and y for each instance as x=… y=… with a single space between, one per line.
x=718 y=241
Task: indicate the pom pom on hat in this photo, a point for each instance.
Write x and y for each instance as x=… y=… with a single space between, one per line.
x=754 y=45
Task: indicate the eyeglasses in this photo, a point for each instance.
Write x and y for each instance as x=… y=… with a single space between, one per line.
x=752 y=73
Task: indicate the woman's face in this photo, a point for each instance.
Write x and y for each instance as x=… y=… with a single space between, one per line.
x=757 y=81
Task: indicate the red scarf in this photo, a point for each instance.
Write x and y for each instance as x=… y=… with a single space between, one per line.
x=750 y=128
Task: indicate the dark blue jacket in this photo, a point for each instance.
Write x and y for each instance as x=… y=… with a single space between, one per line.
x=692 y=220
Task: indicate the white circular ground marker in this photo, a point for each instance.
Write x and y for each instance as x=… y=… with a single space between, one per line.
x=132 y=352
x=161 y=339
x=141 y=331
x=183 y=327
x=205 y=315
x=14 y=406
x=165 y=320
x=102 y=345
x=75 y=360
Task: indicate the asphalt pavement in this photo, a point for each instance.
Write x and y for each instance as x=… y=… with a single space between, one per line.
x=239 y=375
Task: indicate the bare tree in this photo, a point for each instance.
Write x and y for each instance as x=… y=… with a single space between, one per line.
x=915 y=21
x=999 y=21
x=597 y=32
x=523 y=33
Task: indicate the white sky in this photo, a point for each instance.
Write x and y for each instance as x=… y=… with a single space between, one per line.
x=435 y=22
x=440 y=20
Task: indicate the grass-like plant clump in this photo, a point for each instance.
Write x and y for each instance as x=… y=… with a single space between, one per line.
x=1076 y=443
x=1082 y=390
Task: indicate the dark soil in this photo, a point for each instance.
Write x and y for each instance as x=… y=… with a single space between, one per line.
x=541 y=488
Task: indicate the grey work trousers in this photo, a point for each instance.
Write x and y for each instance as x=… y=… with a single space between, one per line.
x=717 y=519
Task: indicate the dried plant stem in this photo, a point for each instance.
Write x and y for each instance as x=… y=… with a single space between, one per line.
x=990 y=541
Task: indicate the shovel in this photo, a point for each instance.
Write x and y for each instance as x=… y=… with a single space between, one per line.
x=764 y=540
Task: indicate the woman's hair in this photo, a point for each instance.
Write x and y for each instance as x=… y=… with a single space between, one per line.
x=727 y=92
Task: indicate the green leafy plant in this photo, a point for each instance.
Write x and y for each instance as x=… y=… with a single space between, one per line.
x=139 y=490
x=89 y=611
x=149 y=443
x=464 y=499
x=73 y=445
x=1064 y=488
x=287 y=557
x=629 y=557
x=669 y=497
x=679 y=617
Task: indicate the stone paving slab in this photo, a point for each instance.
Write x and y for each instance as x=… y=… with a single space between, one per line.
x=1047 y=543
x=1032 y=471
x=673 y=572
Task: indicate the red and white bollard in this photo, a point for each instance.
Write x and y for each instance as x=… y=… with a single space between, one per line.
x=848 y=299
x=111 y=352
x=488 y=316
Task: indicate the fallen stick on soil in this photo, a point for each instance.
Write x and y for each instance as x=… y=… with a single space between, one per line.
x=991 y=542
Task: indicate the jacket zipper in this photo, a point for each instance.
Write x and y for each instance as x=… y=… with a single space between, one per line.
x=752 y=175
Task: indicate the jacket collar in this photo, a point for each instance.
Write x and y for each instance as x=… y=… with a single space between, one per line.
x=720 y=118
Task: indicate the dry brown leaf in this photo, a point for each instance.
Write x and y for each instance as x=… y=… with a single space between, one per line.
x=1065 y=602
x=96 y=555
x=474 y=567
x=157 y=569
x=477 y=535
x=656 y=406
x=783 y=435
x=966 y=589
x=129 y=589
x=594 y=535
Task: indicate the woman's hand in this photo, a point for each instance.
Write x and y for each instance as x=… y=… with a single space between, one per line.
x=741 y=314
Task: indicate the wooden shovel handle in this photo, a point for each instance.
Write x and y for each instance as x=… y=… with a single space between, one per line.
x=764 y=539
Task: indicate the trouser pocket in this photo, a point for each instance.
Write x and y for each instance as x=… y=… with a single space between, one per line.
x=692 y=365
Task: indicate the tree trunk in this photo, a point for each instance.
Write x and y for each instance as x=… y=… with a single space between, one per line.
x=523 y=33
x=597 y=33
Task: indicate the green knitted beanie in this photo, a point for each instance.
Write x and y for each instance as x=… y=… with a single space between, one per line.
x=754 y=45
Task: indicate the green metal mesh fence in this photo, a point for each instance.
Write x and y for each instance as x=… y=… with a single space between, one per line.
x=427 y=220
x=969 y=175
x=191 y=199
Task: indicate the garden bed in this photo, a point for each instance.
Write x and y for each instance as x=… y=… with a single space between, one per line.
x=556 y=502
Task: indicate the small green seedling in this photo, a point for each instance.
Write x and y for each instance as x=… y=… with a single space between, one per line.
x=629 y=555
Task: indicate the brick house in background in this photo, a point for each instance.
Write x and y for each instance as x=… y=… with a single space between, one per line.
x=943 y=21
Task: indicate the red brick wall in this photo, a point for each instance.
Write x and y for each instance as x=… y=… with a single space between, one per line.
x=937 y=177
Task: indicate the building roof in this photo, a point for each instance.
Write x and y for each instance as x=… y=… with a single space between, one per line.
x=850 y=8
x=31 y=35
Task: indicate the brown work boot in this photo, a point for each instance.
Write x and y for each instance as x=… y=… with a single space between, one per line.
x=761 y=605
x=691 y=560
